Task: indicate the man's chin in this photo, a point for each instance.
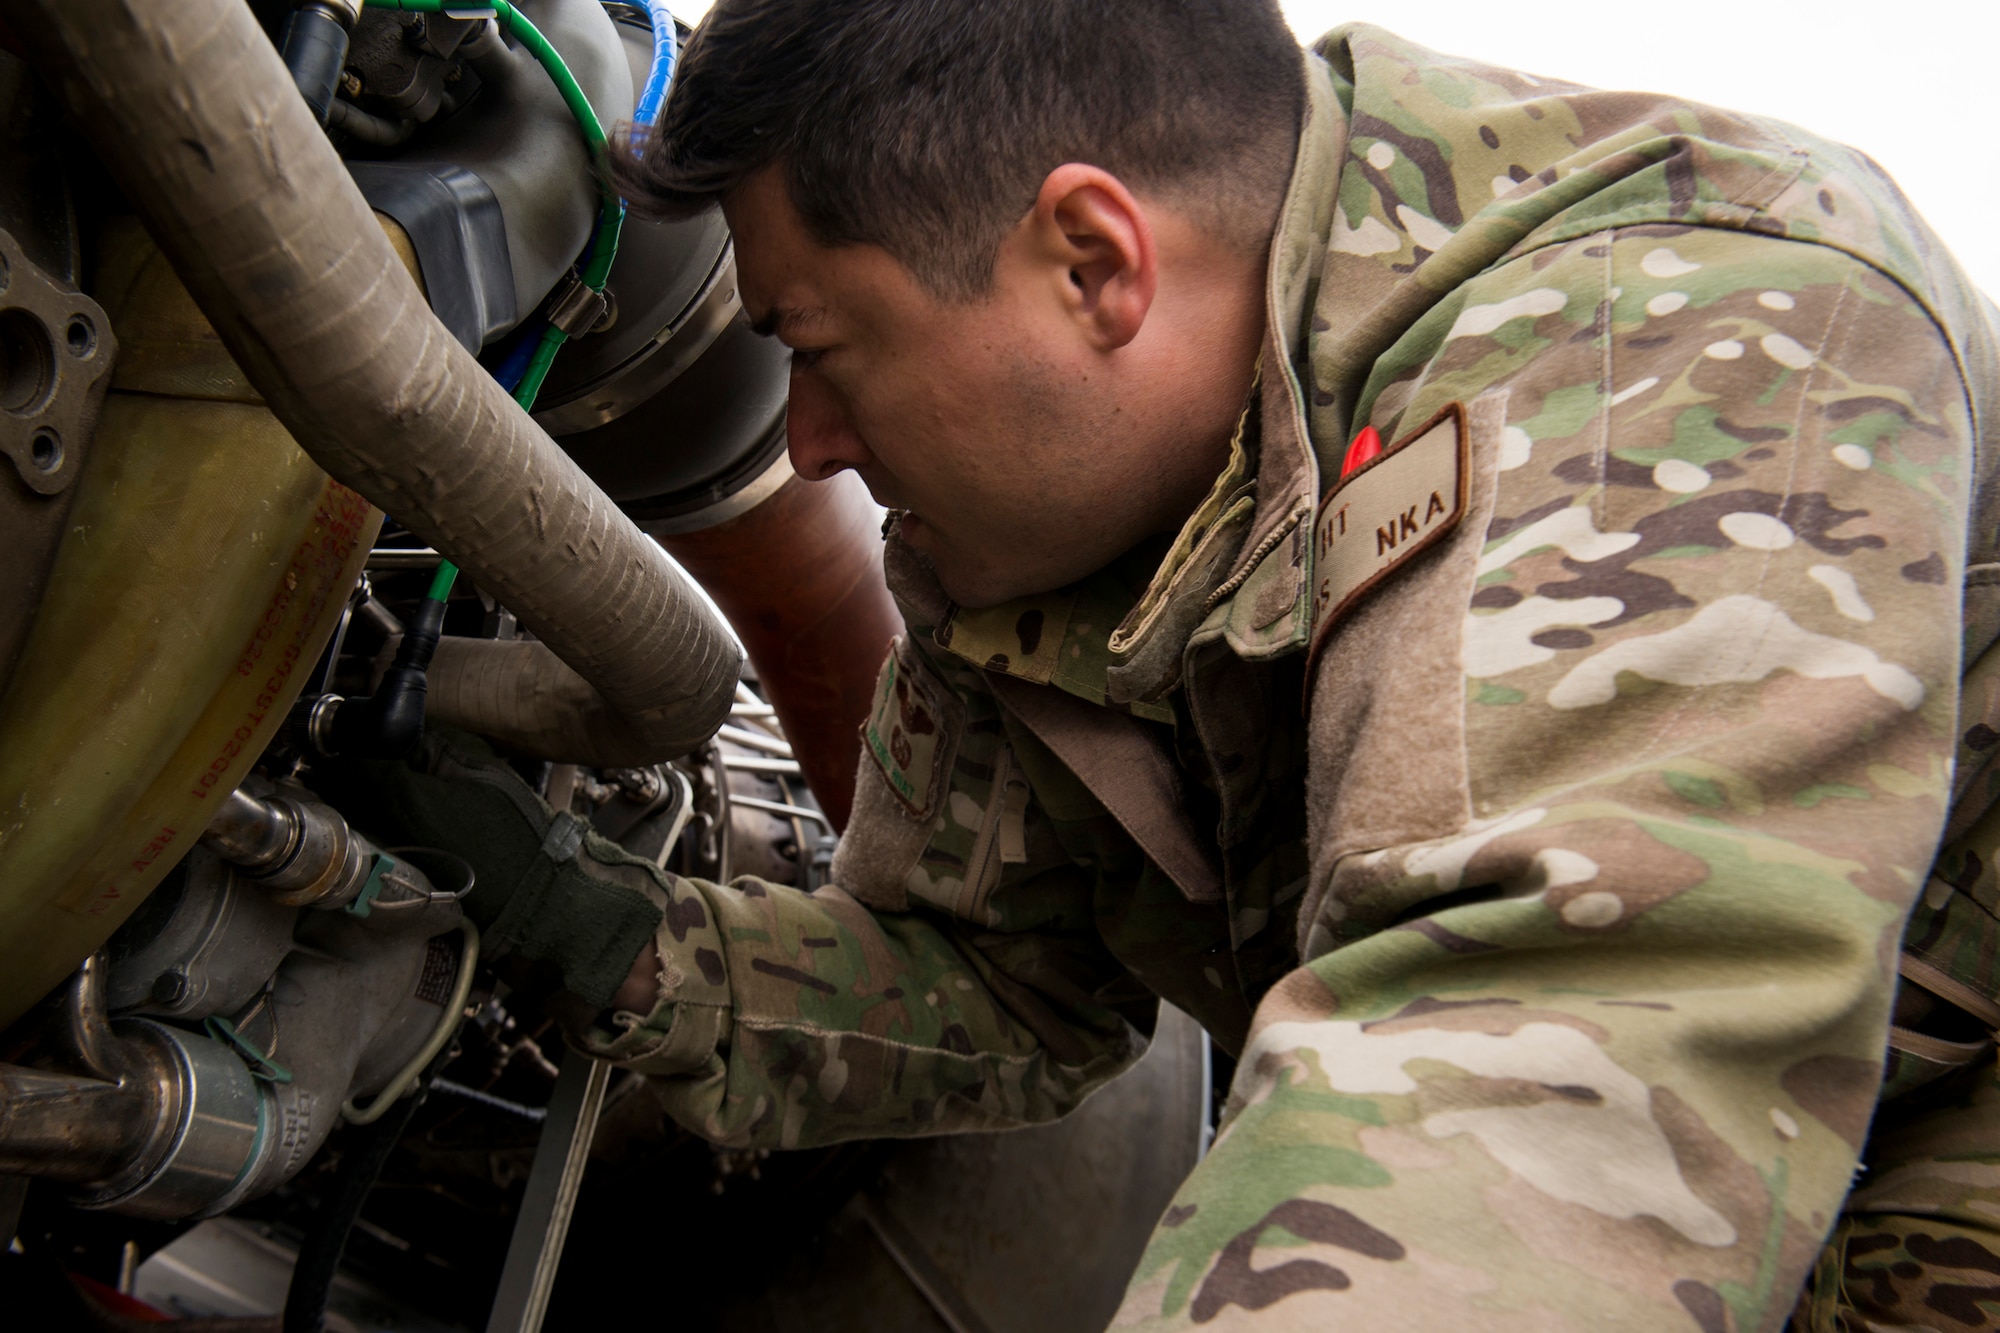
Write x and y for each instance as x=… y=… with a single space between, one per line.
x=971 y=583
x=979 y=589
x=971 y=589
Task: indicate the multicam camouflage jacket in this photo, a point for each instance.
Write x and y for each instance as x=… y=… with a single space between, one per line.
x=1534 y=809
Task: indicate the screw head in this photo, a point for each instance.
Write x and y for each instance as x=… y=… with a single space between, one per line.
x=171 y=988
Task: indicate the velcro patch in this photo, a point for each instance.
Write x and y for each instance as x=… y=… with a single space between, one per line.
x=904 y=733
x=1391 y=508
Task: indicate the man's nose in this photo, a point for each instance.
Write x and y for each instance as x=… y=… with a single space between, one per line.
x=822 y=436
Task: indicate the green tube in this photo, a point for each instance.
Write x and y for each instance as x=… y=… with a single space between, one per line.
x=611 y=216
x=538 y=367
x=447 y=574
x=610 y=222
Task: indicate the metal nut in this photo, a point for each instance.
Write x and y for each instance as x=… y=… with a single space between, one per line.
x=170 y=989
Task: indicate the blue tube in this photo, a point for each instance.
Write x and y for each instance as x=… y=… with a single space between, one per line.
x=513 y=369
x=666 y=50
x=515 y=365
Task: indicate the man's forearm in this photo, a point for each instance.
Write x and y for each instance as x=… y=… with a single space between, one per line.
x=843 y=1023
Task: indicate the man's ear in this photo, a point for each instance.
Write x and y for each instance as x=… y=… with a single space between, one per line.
x=1093 y=239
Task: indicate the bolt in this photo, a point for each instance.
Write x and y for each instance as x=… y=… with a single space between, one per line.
x=639 y=784
x=610 y=315
x=170 y=989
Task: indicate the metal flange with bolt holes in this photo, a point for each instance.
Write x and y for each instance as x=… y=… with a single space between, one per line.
x=56 y=352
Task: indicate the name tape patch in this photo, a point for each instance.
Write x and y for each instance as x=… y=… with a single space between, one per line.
x=1377 y=517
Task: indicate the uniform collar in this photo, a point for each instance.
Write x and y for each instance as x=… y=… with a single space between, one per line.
x=1237 y=566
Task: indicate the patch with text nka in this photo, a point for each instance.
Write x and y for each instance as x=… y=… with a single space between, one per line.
x=1386 y=511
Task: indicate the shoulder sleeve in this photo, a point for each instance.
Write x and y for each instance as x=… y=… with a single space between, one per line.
x=1619 y=799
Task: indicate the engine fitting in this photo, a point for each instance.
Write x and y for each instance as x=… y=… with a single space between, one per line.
x=301 y=849
x=315 y=48
x=203 y=1058
x=157 y=1122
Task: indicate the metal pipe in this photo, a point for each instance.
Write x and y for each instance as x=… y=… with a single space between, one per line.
x=302 y=849
x=255 y=834
x=156 y=1118
x=77 y=1030
x=757 y=740
x=780 y=808
x=403 y=557
x=754 y=764
x=62 y=1127
x=196 y=116
x=367 y=127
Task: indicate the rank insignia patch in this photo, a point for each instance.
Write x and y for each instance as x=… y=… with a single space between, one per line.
x=905 y=733
x=1385 y=511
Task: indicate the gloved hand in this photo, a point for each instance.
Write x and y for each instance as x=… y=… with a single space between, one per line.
x=548 y=887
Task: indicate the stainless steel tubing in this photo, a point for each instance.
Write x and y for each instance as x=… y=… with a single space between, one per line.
x=254 y=833
x=163 y=1124
x=67 y=1128
x=301 y=849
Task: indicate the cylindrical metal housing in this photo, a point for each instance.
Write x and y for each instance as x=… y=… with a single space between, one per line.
x=315 y=49
x=181 y=1126
x=213 y=1117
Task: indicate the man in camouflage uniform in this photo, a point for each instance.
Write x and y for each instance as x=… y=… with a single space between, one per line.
x=1525 y=758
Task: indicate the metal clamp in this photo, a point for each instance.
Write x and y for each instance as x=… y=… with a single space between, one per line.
x=672 y=350
x=576 y=308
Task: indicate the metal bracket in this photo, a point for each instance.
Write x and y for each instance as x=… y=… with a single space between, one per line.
x=543 y=1222
x=56 y=351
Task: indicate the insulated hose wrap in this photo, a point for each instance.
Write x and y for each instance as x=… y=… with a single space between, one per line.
x=195 y=114
x=519 y=694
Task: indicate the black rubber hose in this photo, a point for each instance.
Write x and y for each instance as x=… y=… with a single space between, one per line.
x=389 y=724
x=320 y=1251
x=315 y=51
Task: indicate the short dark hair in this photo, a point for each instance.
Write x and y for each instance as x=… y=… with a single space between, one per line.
x=926 y=127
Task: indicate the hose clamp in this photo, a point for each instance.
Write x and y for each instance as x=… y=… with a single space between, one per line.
x=576 y=308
